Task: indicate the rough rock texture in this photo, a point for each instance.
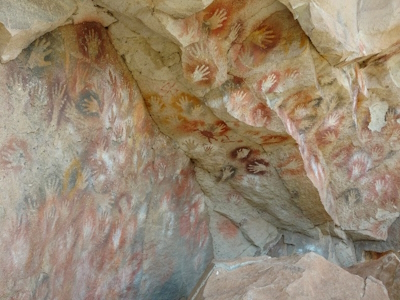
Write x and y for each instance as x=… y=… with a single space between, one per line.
x=91 y=205
x=22 y=22
x=277 y=134
x=276 y=131
x=308 y=277
x=385 y=269
x=343 y=30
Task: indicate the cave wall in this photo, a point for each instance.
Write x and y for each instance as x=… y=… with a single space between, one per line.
x=146 y=137
x=283 y=136
x=95 y=202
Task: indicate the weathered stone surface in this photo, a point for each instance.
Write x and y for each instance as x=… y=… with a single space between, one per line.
x=340 y=251
x=386 y=269
x=297 y=277
x=238 y=165
x=392 y=243
x=343 y=30
x=22 y=22
x=95 y=201
x=282 y=117
x=87 y=11
x=174 y=8
x=270 y=121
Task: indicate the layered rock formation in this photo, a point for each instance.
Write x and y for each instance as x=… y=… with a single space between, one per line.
x=243 y=127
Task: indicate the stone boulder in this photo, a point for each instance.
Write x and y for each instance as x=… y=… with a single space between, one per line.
x=307 y=277
x=386 y=269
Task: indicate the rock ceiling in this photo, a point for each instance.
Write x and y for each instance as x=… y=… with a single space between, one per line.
x=237 y=128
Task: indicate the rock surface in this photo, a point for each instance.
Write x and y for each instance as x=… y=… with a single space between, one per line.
x=271 y=126
x=344 y=31
x=91 y=205
x=297 y=277
x=386 y=269
x=22 y=22
x=268 y=125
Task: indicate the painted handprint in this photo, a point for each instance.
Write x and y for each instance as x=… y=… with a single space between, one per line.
x=86 y=177
x=238 y=96
x=217 y=19
x=235 y=198
x=89 y=104
x=52 y=187
x=184 y=103
x=190 y=32
x=156 y=103
x=208 y=149
x=39 y=94
x=353 y=196
x=330 y=136
x=263 y=37
x=300 y=111
x=221 y=128
x=332 y=120
x=260 y=115
x=198 y=50
x=200 y=73
x=380 y=186
x=190 y=144
x=268 y=83
x=59 y=99
x=257 y=166
x=233 y=34
x=241 y=153
x=104 y=202
x=197 y=111
x=292 y=74
x=227 y=172
x=118 y=133
x=19 y=92
x=38 y=54
x=174 y=120
x=246 y=57
x=92 y=44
